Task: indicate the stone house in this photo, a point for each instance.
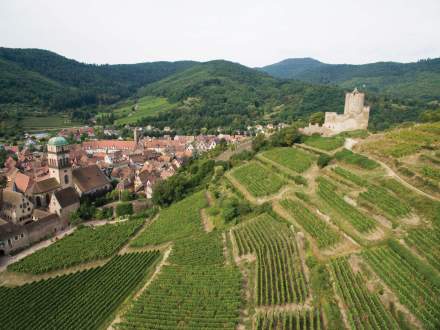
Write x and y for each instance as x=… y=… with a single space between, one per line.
x=64 y=202
x=15 y=207
x=90 y=181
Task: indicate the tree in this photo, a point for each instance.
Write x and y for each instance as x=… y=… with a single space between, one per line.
x=323 y=160
x=259 y=142
x=317 y=118
x=124 y=209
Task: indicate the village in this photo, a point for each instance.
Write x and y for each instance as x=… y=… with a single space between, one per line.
x=45 y=181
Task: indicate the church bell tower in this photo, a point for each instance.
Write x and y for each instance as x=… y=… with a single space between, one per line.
x=58 y=161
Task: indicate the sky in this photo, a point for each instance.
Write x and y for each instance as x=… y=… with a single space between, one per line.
x=251 y=32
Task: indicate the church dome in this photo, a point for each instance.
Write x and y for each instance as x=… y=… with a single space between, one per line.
x=57 y=141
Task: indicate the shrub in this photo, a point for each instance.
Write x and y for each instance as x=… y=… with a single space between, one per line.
x=124 y=209
x=324 y=160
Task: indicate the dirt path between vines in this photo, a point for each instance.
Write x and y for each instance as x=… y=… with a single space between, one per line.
x=390 y=172
x=207 y=223
x=156 y=272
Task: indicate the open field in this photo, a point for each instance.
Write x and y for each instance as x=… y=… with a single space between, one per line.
x=324 y=235
x=324 y=143
x=364 y=308
x=82 y=300
x=258 y=180
x=291 y=158
x=196 y=290
x=404 y=141
x=85 y=244
x=145 y=107
x=403 y=274
x=166 y=228
x=53 y=121
x=280 y=277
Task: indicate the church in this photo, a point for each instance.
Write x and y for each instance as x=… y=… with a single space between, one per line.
x=36 y=208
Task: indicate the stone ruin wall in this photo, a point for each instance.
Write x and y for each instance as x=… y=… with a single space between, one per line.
x=355 y=117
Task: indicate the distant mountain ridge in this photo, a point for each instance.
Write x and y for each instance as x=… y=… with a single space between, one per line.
x=292 y=67
x=418 y=80
x=46 y=79
x=39 y=83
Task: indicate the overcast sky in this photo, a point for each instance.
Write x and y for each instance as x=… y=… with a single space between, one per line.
x=252 y=32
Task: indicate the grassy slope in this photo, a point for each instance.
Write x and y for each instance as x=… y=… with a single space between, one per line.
x=146 y=106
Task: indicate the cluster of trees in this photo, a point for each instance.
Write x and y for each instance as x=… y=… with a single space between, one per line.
x=185 y=181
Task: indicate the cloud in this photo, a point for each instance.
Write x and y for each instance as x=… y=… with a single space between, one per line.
x=254 y=33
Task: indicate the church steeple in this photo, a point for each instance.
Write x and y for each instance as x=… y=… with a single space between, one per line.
x=58 y=161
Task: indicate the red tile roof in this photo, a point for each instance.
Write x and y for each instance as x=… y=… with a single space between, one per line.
x=109 y=144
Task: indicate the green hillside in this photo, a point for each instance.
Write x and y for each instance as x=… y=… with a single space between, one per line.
x=419 y=80
x=36 y=82
x=225 y=94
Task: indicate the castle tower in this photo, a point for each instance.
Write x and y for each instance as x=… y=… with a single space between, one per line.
x=58 y=161
x=136 y=135
x=354 y=102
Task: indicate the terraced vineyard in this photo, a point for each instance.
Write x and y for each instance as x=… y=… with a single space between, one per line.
x=384 y=200
x=361 y=222
x=291 y=158
x=304 y=320
x=82 y=300
x=358 y=160
x=85 y=244
x=196 y=291
x=258 y=180
x=427 y=243
x=412 y=288
x=280 y=276
x=325 y=143
x=178 y=221
x=324 y=235
x=364 y=309
x=350 y=176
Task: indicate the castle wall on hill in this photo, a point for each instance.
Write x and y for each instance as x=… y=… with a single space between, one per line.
x=355 y=117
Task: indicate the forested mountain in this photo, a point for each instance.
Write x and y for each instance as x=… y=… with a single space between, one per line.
x=38 y=84
x=225 y=94
x=45 y=79
x=419 y=80
x=291 y=67
x=51 y=80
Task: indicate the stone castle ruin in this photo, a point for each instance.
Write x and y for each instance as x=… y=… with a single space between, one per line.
x=355 y=117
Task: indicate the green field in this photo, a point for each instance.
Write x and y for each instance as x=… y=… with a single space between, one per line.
x=299 y=320
x=195 y=290
x=178 y=221
x=405 y=275
x=291 y=158
x=146 y=106
x=324 y=143
x=258 y=180
x=324 y=235
x=55 y=121
x=85 y=244
x=406 y=141
x=364 y=309
x=361 y=161
x=82 y=300
x=280 y=277
x=360 y=221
